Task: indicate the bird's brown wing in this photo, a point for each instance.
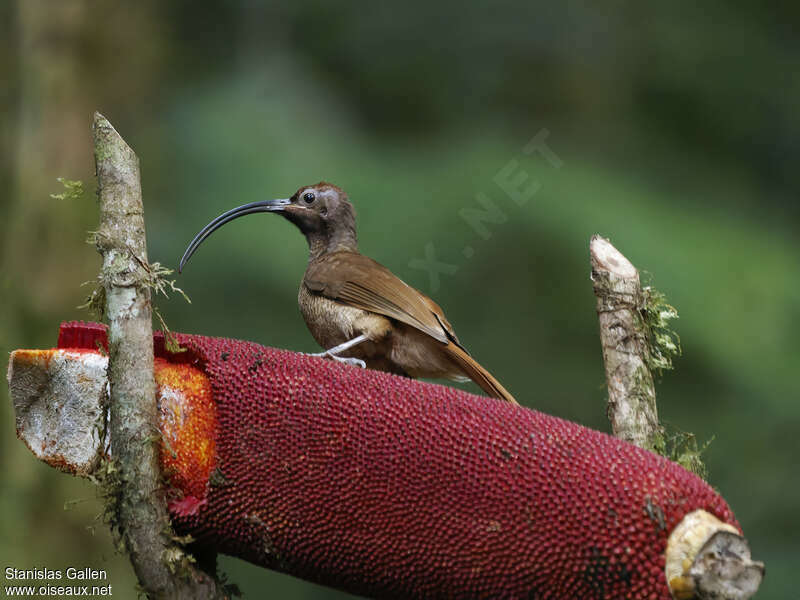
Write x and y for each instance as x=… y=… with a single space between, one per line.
x=359 y=281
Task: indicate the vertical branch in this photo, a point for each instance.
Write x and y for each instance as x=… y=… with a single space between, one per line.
x=631 y=393
x=141 y=511
x=704 y=558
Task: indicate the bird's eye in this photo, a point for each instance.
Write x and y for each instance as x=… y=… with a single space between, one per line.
x=308 y=198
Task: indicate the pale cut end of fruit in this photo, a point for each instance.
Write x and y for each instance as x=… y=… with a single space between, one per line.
x=59 y=399
x=707 y=559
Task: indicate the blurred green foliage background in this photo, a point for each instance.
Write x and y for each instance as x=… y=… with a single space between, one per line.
x=678 y=129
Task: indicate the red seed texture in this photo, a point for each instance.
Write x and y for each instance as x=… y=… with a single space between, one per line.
x=394 y=488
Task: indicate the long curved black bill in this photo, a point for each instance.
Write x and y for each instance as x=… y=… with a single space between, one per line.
x=227 y=217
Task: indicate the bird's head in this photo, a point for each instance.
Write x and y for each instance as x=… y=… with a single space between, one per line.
x=320 y=208
x=321 y=211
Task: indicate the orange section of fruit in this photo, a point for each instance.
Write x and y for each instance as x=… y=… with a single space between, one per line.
x=188 y=428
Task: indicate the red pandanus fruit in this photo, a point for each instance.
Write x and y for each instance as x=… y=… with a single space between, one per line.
x=394 y=488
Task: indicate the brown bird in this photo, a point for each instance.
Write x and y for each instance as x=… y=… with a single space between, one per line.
x=355 y=307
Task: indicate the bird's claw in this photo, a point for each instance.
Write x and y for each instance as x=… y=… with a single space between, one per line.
x=354 y=362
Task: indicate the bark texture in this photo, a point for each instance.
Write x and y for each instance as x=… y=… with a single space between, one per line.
x=160 y=565
x=631 y=393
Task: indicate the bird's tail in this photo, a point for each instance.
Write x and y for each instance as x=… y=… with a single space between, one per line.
x=478 y=374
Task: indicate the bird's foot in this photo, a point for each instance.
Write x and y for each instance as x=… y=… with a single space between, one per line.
x=353 y=362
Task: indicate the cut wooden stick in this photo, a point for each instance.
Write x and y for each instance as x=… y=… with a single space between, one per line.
x=631 y=393
x=163 y=570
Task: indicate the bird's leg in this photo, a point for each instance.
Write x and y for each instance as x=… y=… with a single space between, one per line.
x=333 y=352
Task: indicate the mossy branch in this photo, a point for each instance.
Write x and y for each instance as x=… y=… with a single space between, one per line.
x=156 y=279
x=623 y=334
x=637 y=340
x=137 y=507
